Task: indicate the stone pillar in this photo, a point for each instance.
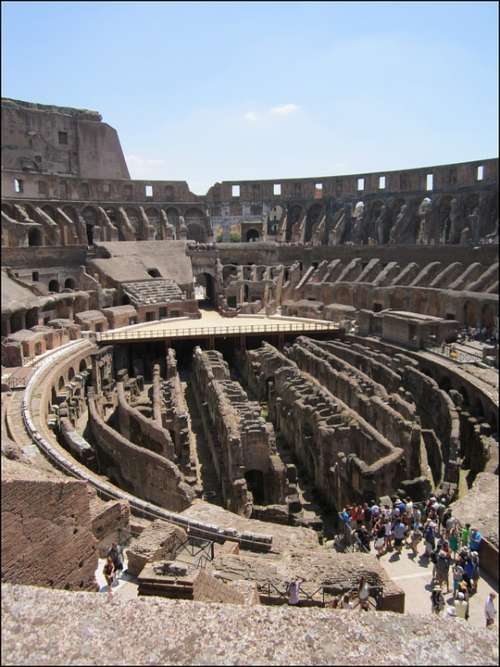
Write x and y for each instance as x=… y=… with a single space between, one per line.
x=6 y=326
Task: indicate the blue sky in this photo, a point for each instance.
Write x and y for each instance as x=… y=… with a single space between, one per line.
x=209 y=91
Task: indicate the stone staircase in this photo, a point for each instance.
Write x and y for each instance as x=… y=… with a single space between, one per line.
x=151 y=292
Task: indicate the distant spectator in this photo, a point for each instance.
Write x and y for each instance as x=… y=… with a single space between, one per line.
x=462 y=607
x=475 y=571
x=453 y=539
x=108 y=572
x=116 y=553
x=458 y=575
x=293 y=590
x=416 y=538
x=475 y=539
x=437 y=600
x=489 y=609
x=363 y=593
x=346 y=602
x=399 y=531
x=465 y=534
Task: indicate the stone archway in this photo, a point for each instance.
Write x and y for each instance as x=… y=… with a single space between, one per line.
x=196 y=232
x=204 y=290
x=312 y=218
x=488 y=314
x=471 y=314
x=294 y=215
x=252 y=236
x=35 y=237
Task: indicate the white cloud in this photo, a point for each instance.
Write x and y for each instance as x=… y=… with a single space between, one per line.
x=284 y=109
x=250 y=116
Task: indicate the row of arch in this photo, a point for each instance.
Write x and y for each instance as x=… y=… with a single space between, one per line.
x=465 y=205
x=194 y=218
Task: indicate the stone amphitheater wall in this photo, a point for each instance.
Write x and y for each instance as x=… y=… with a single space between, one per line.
x=140 y=430
x=47 y=536
x=149 y=475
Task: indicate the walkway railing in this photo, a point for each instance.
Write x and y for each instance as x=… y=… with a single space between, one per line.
x=193 y=332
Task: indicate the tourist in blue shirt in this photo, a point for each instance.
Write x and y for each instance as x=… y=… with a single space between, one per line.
x=475 y=540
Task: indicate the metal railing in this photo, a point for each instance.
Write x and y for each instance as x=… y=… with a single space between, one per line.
x=200 y=551
x=269 y=589
x=193 y=332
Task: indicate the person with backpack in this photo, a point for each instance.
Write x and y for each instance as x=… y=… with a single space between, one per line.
x=429 y=538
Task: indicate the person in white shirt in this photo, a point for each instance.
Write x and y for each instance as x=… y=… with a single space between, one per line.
x=346 y=603
x=293 y=591
x=489 y=610
x=363 y=593
x=461 y=606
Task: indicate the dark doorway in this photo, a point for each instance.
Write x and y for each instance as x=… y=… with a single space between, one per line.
x=53 y=286
x=252 y=235
x=255 y=483
x=34 y=237
x=204 y=290
x=90 y=234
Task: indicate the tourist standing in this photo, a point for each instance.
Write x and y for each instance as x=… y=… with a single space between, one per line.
x=379 y=538
x=475 y=539
x=465 y=534
x=416 y=538
x=461 y=607
x=399 y=531
x=489 y=610
x=458 y=575
x=363 y=593
x=116 y=554
x=293 y=591
x=108 y=572
x=437 y=600
x=453 y=540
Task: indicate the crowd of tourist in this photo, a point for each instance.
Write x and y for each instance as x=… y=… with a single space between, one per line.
x=452 y=549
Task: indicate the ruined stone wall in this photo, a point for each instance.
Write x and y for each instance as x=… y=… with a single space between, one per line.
x=140 y=430
x=367 y=399
x=59 y=140
x=244 y=442
x=344 y=456
x=47 y=537
x=171 y=409
x=147 y=474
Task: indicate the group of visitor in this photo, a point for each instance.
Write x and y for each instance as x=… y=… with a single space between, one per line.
x=451 y=548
